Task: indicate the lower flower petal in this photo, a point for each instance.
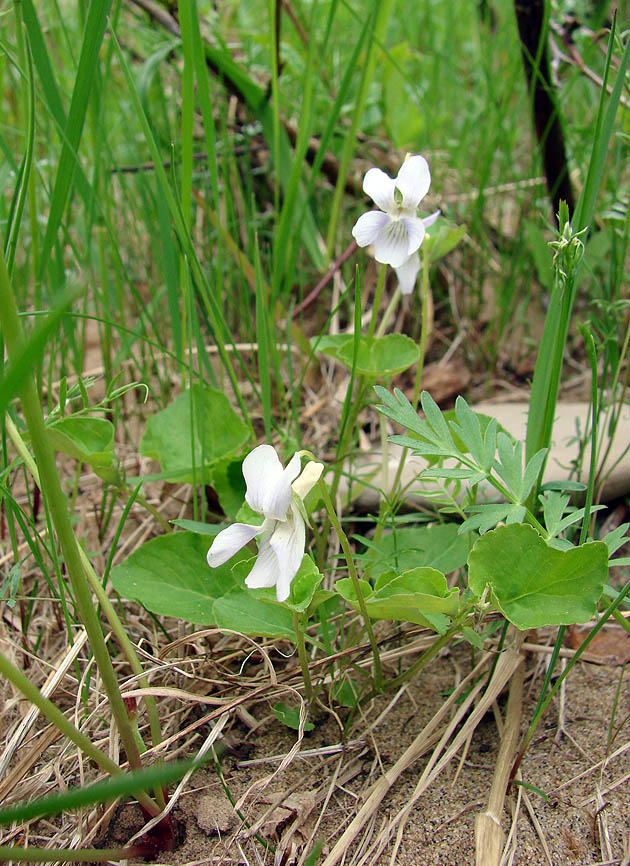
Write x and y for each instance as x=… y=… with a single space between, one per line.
x=229 y=541
x=368 y=226
x=391 y=246
x=266 y=568
x=407 y=273
x=287 y=543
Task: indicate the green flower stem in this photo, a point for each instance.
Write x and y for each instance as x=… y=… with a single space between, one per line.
x=141 y=500
x=348 y=432
x=424 y=332
x=377 y=300
x=45 y=457
x=343 y=539
x=54 y=715
x=424 y=336
x=622 y=621
x=395 y=300
x=301 y=647
x=342 y=448
x=110 y=612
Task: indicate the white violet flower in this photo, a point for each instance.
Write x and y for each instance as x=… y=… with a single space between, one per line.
x=395 y=230
x=277 y=494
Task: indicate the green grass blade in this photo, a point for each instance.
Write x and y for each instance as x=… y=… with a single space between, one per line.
x=41 y=60
x=215 y=314
x=21 y=192
x=603 y=131
x=88 y=62
x=379 y=15
x=125 y=785
x=220 y=60
x=546 y=379
x=286 y=219
x=262 y=338
x=30 y=355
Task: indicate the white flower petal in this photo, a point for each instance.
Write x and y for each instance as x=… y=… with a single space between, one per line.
x=391 y=246
x=368 y=226
x=414 y=180
x=428 y=221
x=266 y=568
x=380 y=188
x=287 y=542
x=415 y=233
x=268 y=484
x=407 y=273
x=311 y=474
x=229 y=541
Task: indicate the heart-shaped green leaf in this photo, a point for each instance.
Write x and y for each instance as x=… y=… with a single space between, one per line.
x=90 y=440
x=290 y=716
x=169 y=575
x=333 y=344
x=533 y=584
x=420 y=595
x=243 y=612
x=376 y=356
x=257 y=611
x=218 y=433
x=382 y=356
x=441 y=239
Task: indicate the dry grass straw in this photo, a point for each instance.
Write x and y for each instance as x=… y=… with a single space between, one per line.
x=444 y=751
x=489 y=836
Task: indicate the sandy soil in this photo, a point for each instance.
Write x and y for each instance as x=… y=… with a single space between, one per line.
x=579 y=821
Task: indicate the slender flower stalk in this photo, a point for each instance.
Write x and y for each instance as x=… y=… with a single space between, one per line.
x=377 y=299
x=389 y=311
x=424 y=331
x=424 y=335
x=352 y=571
x=301 y=647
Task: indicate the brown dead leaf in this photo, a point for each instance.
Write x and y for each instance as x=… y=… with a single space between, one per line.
x=444 y=381
x=608 y=647
x=295 y=807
